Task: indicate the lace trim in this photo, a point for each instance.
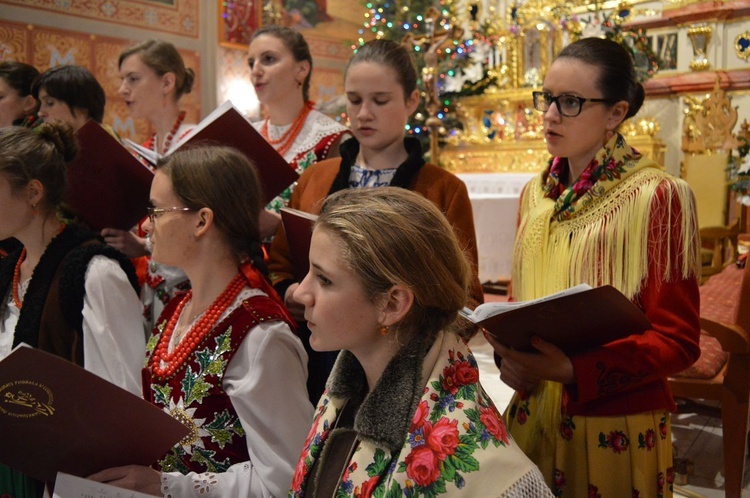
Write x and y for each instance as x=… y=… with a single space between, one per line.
x=317 y=126
x=530 y=485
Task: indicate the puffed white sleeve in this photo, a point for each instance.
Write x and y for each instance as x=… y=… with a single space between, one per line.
x=266 y=382
x=114 y=344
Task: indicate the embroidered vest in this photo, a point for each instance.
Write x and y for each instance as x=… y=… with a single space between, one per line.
x=51 y=318
x=195 y=396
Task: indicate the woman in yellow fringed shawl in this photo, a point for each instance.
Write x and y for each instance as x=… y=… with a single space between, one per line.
x=597 y=422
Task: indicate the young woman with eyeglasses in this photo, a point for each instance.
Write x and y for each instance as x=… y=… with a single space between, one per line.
x=223 y=358
x=597 y=422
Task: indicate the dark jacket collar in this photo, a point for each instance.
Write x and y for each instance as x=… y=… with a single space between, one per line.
x=386 y=412
x=405 y=173
x=27 y=329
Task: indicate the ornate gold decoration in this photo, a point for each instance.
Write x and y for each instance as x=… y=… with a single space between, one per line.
x=646 y=126
x=532 y=49
x=708 y=123
x=700 y=36
x=742 y=45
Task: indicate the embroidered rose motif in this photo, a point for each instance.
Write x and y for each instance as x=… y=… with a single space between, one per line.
x=566 y=429
x=523 y=412
x=420 y=415
x=660 y=483
x=299 y=474
x=647 y=440
x=663 y=427
x=617 y=440
x=521 y=417
x=670 y=475
x=442 y=438
x=494 y=424
x=559 y=482
x=584 y=183
x=423 y=466
x=367 y=488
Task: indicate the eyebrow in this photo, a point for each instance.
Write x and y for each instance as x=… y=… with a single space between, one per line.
x=375 y=94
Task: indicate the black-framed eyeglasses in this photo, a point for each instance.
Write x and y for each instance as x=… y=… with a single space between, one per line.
x=154 y=212
x=567 y=105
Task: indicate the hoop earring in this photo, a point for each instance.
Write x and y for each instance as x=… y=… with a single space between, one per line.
x=609 y=135
x=164 y=100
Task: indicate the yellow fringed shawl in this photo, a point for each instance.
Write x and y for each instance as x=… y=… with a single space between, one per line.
x=603 y=239
x=606 y=240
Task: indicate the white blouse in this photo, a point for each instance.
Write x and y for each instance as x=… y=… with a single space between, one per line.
x=114 y=343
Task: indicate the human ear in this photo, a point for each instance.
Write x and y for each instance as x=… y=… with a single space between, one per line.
x=204 y=222
x=617 y=114
x=35 y=192
x=399 y=301
x=29 y=104
x=168 y=81
x=412 y=102
x=303 y=69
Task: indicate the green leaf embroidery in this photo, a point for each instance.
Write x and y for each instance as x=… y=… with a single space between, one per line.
x=162 y=394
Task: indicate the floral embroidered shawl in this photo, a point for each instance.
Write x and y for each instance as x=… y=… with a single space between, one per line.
x=444 y=437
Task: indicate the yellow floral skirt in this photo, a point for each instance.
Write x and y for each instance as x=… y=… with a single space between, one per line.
x=627 y=456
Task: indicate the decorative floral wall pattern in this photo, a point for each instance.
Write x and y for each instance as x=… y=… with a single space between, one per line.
x=169 y=16
x=45 y=47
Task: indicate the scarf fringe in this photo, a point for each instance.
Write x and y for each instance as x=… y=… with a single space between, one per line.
x=608 y=241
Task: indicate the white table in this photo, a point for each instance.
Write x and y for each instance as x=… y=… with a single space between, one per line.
x=494 y=200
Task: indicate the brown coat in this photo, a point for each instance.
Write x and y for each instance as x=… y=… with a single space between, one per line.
x=446 y=190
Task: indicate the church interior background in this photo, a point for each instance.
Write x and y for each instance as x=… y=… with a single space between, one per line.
x=480 y=61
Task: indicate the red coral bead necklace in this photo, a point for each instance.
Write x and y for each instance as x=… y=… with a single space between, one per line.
x=284 y=143
x=17 y=273
x=175 y=359
x=151 y=144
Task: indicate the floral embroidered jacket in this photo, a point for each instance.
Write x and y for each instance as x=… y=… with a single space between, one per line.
x=195 y=396
x=427 y=428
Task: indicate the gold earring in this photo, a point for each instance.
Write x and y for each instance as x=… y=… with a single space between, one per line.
x=384 y=330
x=34 y=210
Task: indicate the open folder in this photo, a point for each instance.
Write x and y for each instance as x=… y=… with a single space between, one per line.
x=108 y=187
x=574 y=320
x=57 y=417
x=226 y=126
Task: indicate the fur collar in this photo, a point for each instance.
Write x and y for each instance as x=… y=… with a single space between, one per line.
x=384 y=414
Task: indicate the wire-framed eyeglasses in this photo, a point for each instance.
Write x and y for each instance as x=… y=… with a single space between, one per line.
x=567 y=105
x=154 y=212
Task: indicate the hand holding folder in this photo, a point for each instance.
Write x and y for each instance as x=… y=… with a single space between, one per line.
x=574 y=320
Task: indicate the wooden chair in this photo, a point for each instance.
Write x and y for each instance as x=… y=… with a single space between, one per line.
x=725 y=320
x=718 y=248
